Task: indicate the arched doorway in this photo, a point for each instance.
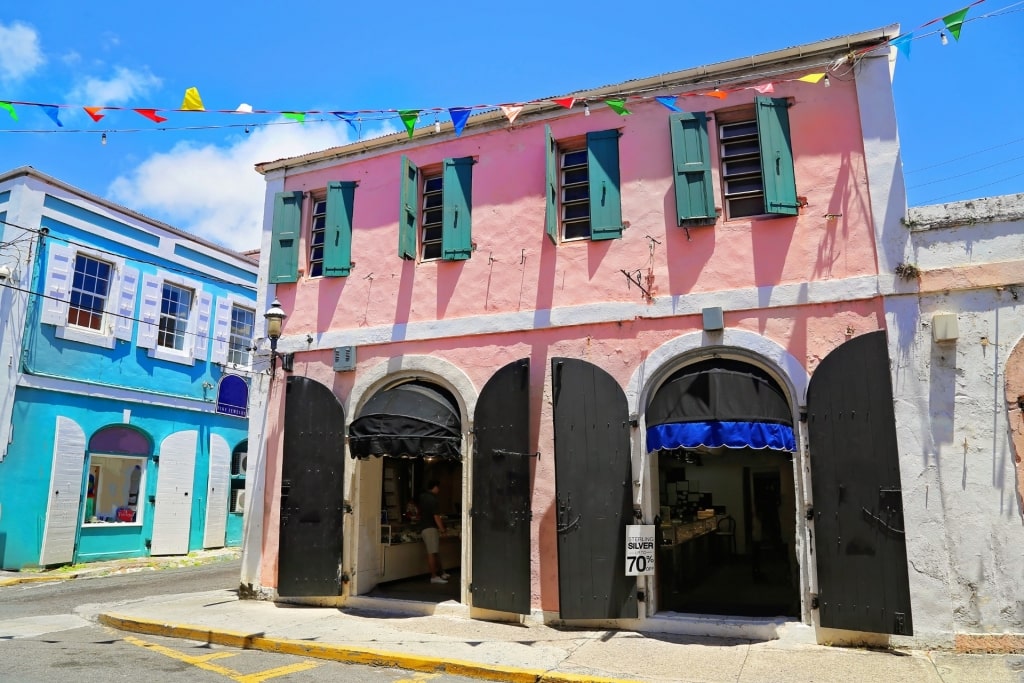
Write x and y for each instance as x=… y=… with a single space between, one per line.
x=721 y=439
x=409 y=436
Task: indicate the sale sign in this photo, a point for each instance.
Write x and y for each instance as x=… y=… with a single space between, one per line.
x=640 y=550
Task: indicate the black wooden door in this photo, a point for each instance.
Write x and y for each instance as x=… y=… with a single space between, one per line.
x=312 y=491
x=860 y=539
x=501 y=492
x=593 y=483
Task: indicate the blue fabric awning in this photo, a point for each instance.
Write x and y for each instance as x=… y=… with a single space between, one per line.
x=717 y=434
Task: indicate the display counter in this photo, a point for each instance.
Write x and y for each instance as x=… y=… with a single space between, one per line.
x=687 y=552
x=403 y=554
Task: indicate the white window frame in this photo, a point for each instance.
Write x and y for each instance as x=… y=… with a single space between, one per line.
x=143 y=462
x=565 y=148
x=197 y=331
x=725 y=121
x=321 y=202
x=222 y=330
x=119 y=307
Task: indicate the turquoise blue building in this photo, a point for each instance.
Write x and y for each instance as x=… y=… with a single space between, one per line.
x=126 y=353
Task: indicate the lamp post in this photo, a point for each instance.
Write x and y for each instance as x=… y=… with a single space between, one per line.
x=274 y=316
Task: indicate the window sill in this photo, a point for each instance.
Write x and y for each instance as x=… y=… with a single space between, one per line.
x=172 y=355
x=68 y=333
x=94 y=525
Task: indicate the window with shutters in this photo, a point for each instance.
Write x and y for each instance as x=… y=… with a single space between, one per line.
x=435 y=215
x=433 y=212
x=742 y=183
x=174 y=319
x=243 y=320
x=175 y=305
x=316 y=238
x=583 y=199
x=90 y=287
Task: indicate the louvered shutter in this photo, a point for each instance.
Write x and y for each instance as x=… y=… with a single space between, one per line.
x=60 y=268
x=124 y=322
x=284 y=239
x=776 y=156
x=201 y=327
x=691 y=159
x=408 y=211
x=457 y=220
x=551 y=218
x=221 y=331
x=65 y=494
x=149 y=311
x=218 y=487
x=338 y=229
x=172 y=516
x=603 y=169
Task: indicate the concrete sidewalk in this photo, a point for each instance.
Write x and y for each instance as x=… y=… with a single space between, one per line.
x=123 y=566
x=447 y=642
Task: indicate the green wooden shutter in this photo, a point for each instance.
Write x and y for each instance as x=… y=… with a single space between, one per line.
x=776 y=156
x=603 y=168
x=338 y=229
x=691 y=158
x=551 y=209
x=284 y=237
x=456 y=225
x=408 y=212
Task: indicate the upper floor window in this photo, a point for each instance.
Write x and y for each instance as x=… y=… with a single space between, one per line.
x=329 y=247
x=89 y=290
x=242 y=323
x=175 y=305
x=583 y=193
x=435 y=215
x=316 y=238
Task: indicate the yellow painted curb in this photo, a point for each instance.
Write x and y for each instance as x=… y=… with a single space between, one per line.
x=340 y=653
x=35 y=579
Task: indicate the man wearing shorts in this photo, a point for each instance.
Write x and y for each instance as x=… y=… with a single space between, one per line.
x=431 y=528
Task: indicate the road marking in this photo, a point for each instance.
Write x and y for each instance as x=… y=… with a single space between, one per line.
x=418 y=678
x=204 y=662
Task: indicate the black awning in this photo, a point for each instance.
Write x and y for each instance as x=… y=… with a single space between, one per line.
x=721 y=395
x=409 y=420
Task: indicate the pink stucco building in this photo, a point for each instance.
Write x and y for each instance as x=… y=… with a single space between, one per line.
x=582 y=321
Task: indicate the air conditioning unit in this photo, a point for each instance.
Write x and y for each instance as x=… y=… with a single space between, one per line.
x=243 y=462
x=239 y=505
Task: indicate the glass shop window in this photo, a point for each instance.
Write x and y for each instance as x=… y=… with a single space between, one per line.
x=112 y=493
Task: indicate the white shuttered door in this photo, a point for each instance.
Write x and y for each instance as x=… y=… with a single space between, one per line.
x=175 y=476
x=217 y=495
x=65 y=494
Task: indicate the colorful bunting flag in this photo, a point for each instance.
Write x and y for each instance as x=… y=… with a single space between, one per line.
x=511 y=111
x=243 y=108
x=347 y=117
x=94 y=112
x=955 y=21
x=618 y=106
x=669 y=102
x=299 y=116
x=10 y=109
x=192 y=101
x=151 y=115
x=459 y=117
x=720 y=94
x=811 y=78
x=903 y=44
x=409 y=117
x=765 y=89
x=53 y=112
x=566 y=102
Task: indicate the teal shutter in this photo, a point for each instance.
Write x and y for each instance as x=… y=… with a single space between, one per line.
x=338 y=229
x=456 y=225
x=551 y=209
x=284 y=237
x=408 y=212
x=603 y=168
x=691 y=158
x=776 y=156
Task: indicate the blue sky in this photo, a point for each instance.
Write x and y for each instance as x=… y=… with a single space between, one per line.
x=958 y=106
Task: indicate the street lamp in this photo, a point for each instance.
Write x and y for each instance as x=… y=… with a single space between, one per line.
x=275 y=316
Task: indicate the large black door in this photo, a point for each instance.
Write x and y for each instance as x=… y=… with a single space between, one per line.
x=501 y=492
x=593 y=483
x=858 y=505
x=312 y=491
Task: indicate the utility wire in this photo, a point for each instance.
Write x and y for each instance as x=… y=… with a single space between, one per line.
x=965 y=173
x=971 y=189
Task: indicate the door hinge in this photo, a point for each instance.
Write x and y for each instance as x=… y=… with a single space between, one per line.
x=814 y=602
x=809 y=514
x=900 y=627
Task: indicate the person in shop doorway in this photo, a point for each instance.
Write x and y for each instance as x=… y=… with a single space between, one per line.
x=431 y=528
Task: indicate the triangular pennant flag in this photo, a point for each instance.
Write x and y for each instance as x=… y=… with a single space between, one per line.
x=192 y=101
x=811 y=78
x=765 y=88
x=669 y=102
x=903 y=44
x=299 y=116
x=94 y=113
x=618 y=106
x=53 y=113
x=409 y=117
x=566 y=102
x=459 y=117
x=151 y=115
x=243 y=108
x=347 y=117
x=955 y=21
x=720 y=94
x=511 y=111
x=10 y=109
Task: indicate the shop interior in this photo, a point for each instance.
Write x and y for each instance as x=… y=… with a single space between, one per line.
x=726 y=532
x=112 y=490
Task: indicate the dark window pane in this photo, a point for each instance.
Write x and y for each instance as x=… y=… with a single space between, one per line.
x=750 y=206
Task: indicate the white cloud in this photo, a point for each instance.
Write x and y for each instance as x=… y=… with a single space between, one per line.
x=19 y=51
x=215 y=192
x=124 y=85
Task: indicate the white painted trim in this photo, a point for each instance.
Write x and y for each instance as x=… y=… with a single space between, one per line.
x=84 y=388
x=85 y=336
x=752 y=298
x=183 y=357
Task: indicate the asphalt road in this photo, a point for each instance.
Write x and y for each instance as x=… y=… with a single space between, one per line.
x=43 y=639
